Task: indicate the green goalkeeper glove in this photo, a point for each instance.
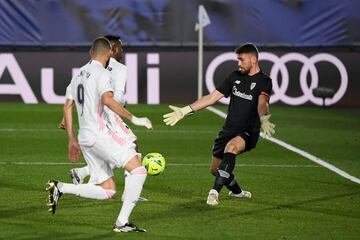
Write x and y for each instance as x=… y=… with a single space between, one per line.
x=266 y=127
x=177 y=114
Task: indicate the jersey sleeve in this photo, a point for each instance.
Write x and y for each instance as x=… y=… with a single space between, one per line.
x=104 y=83
x=119 y=96
x=68 y=92
x=118 y=78
x=266 y=88
x=226 y=86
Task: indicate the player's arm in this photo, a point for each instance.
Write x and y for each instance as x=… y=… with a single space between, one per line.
x=203 y=102
x=68 y=96
x=206 y=100
x=107 y=99
x=266 y=127
x=62 y=124
x=73 y=146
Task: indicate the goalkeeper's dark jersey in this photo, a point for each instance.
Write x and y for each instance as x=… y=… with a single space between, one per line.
x=244 y=92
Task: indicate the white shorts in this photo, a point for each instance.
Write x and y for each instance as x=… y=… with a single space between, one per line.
x=109 y=151
x=117 y=125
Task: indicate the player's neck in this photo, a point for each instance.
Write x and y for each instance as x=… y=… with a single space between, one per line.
x=100 y=59
x=254 y=70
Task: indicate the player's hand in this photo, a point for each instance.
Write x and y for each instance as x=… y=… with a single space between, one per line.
x=177 y=114
x=266 y=127
x=142 y=122
x=62 y=124
x=74 y=151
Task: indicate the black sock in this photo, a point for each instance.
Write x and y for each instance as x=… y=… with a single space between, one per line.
x=224 y=171
x=232 y=185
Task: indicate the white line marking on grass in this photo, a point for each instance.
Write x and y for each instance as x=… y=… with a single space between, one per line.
x=29 y=130
x=40 y=163
x=300 y=152
x=248 y=165
x=185 y=131
x=169 y=164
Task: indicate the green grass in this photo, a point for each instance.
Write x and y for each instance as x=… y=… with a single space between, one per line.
x=304 y=202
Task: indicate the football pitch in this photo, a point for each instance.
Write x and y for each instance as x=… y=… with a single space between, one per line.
x=293 y=198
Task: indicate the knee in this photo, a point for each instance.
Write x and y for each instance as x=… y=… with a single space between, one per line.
x=212 y=171
x=232 y=148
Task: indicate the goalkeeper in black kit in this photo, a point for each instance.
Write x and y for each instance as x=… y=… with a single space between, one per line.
x=248 y=114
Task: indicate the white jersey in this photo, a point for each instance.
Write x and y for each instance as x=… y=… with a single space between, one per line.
x=86 y=89
x=118 y=72
x=118 y=79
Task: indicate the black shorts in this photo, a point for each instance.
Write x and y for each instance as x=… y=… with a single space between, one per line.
x=225 y=136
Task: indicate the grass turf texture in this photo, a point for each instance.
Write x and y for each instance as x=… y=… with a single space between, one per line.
x=304 y=202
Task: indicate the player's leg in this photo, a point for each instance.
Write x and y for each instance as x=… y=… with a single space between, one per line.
x=224 y=172
x=78 y=175
x=215 y=162
x=235 y=190
x=100 y=172
x=134 y=185
x=213 y=197
x=231 y=184
x=104 y=190
x=224 y=175
x=126 y=175
x=56 y=189
x=218 y=153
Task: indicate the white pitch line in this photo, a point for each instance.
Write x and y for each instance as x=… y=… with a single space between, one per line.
x=300 y=152
x=185 y=131
x=169 y=164
x=29 y=130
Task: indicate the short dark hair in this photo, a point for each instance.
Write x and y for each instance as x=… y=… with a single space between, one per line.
x=113 y=38
x=248 y=48
x=100 y=45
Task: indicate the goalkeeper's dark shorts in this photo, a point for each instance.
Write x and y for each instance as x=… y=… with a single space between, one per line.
x=225 y=136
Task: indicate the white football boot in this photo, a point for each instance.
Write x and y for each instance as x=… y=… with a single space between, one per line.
x=213 y=198
x=54 y=195
x=243 y=194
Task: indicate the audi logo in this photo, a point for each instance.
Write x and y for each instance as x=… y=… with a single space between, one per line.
x=280 y=76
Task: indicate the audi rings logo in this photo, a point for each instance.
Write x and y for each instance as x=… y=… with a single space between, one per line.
x=280 y=74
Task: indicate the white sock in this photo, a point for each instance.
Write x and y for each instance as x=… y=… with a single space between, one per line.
x=134 y=183
x=126 y=177
x=83 y=172
x=86 y=191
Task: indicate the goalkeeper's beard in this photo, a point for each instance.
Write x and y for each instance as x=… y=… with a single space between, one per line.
x=244 y=71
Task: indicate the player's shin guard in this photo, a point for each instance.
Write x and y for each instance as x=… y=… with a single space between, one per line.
x=134 y=183
x=224 y=171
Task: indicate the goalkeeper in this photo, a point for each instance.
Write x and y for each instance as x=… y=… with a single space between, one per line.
x=248 y=114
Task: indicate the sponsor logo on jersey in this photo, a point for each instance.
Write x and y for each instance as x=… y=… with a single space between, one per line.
x=242 y=95
x=237 y=82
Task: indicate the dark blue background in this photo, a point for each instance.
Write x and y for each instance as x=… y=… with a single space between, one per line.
x=165 y=22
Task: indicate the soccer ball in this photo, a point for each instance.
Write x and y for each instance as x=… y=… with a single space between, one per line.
x=154 y=163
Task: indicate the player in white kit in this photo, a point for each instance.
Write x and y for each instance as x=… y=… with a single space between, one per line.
x=118 y=72
x=101 y=146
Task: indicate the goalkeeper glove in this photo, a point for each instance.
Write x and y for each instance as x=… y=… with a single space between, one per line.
x=177 y=114
x=266 y=127
x=141 y=122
